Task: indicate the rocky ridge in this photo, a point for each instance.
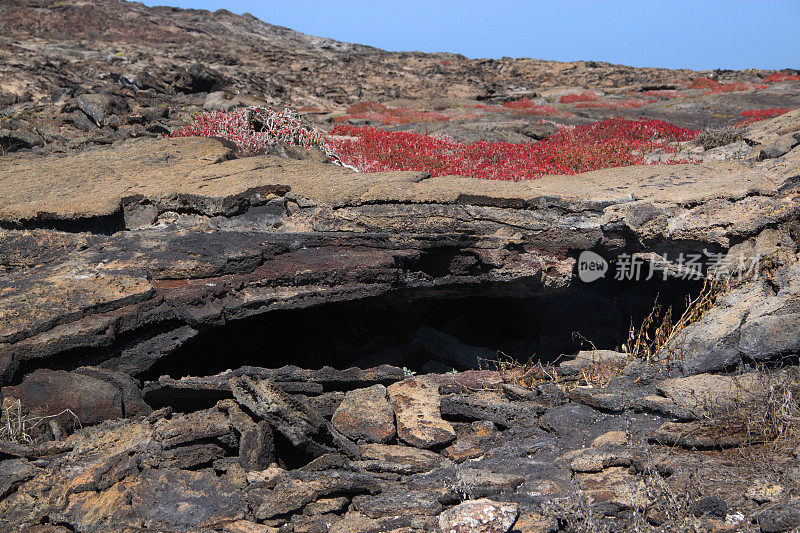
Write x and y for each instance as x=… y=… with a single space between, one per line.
x=78 y=74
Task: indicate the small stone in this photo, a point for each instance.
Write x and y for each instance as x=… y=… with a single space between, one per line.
x=596 y=459
x=709 y=506
x=269 y=476
x=616 y=438
x=536 y=523
x=471 y=441
x=246 y=526
x=479 y=516
x=762 y=492
x=405 y=459
x=365 y=415
x=326 y=505
x=303 y=523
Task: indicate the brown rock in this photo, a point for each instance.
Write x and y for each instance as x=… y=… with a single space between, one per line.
x=184 y=499
x=416 y=404
x=51 y=392
x=296 y=489
x=704 y=434
x=246 y=526
x=536 y=523
x=256 y=448
x=199 y=425
x=289 y=415
x=366 y=415
x=326 y=505
x=617 y=486
x=400 y=459
x=711 y=394
x=612 y=438
x=479 y=516
x=471 y=441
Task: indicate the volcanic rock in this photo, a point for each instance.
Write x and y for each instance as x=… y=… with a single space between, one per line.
x=55 y=392
x=416 y=405
x=479 y=516
x=365 y=414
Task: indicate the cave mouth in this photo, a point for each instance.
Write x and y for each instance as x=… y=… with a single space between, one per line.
x=433 y=330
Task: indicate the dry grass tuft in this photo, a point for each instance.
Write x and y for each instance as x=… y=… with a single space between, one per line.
x=657 y=340
x=16 y=426
x=768 y=412
x=714 y=138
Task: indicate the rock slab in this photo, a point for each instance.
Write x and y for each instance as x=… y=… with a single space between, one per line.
x=366 y=415
x=479 y=516
x=416 y=404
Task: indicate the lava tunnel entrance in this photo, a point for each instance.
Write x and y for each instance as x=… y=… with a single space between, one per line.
x=435 y=330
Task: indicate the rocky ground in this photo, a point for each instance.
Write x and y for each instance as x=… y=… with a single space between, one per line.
x=127 y=263
x=197 y=339
x=77 y=74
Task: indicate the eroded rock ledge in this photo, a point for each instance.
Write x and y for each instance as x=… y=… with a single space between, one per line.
x=118 y=256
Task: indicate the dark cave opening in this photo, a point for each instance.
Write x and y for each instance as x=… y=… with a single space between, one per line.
x=432 y=330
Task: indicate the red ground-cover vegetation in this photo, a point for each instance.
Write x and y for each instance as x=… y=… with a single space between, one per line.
x=575 y=98
x=715 y=87
x=390 y=115
x=780 y=76
x=664 y=93
x=525 y=106
x=754 y=115
x=610 y=143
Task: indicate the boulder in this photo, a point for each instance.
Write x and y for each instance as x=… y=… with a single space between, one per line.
x=57 y=392
x=772 y=329
x=586 y=359
x=712 y=344
x=290 y=416
x=780 y=146
x=295 y=490
x=492 y=406
x=779 y=518
x=16 y=139
x=365 y=414
x=13 y=472
x=188 y=500
x=99 y=107
x=416 y=404
x=479 y=516
x=285 y=413
x=192 y=427
x=708 y=394
x=472 y=440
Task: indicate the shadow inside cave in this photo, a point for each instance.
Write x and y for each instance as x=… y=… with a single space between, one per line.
x=432 y=330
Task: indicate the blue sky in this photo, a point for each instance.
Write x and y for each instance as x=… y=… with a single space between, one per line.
x=697 y=34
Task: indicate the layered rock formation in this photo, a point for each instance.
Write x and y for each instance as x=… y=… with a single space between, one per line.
x=115 y=259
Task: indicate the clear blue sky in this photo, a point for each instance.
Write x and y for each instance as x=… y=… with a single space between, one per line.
x=697 y=34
